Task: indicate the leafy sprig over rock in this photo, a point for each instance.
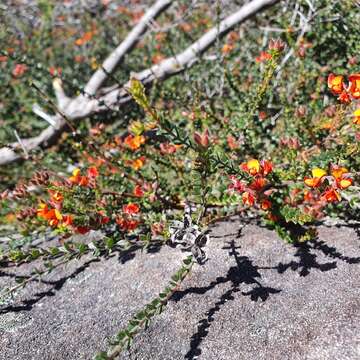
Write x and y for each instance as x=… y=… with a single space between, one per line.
x=201 y=122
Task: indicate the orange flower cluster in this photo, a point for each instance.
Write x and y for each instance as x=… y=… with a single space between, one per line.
x=254 y=190
x=127 y=222
x=137 y=164
x=232 y=38
x=51 y=211
x=264 y=56
x=53 y=216
x=134 y=142
x=85 y=38
x=254 y=167
x=89 y=180
x=345 y=92
x=338 y=179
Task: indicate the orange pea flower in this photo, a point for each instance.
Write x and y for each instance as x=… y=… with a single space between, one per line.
x=248 y=198
x=356 y=119
x=339 y=173
x=67 y=220
x=134 y=142
x=265 y=204
x=138 y=191
x=252 y=167
x=85 y=38
x=56 y=196
x=331 y=195
x=93 y=172
x=354 y=86
x=344 y=183
x=126 y=224
x=266 y=166
x=255 y=167
x=227 y=48
x=53 y=216
x=75 y=178
x=78 y=179
x=258 y=184
x=308 y=196
x=131 y=209
x=315 y=180
x=264 y=56
x=137 y=164
x=84 y=181
x=344 y=97
x=42 y=210
x=335 y=83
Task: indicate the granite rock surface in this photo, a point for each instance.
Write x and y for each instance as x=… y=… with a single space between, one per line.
x=255 y=298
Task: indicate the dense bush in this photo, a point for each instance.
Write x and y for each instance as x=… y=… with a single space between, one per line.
x=261 y=128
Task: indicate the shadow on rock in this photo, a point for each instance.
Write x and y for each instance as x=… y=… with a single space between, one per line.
x=243 y=273
x=127 y=255
x=308 y=258
x=28 y=304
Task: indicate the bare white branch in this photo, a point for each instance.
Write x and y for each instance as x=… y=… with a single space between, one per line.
x=85 y=105
x=41 y=113
x=21 y=144
x=117 y=55
x=179 y=62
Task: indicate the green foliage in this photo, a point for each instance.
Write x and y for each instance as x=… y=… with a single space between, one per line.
x=235 y=133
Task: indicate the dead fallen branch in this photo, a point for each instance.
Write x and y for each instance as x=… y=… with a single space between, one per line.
x=70 y=110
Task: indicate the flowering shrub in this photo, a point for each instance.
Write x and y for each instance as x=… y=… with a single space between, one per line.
x=266 y=138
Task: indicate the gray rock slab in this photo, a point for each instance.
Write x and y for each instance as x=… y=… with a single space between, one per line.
x=256 y=298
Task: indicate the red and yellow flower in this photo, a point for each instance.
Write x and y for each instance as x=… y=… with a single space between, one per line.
x=134 y=142
x=341 y=178
x=265 y=204
x=354 y=86
x=344 y=97
x=252 y=167
x=256 y=167
x=335 y=83
x=138 y=191
x=331 y=195
x=56 y=196
x=248 y=198
x=78 y=179
x=53 y=216
x=131 y=209
x=356 y=119
x=137 y=164
x=127 y=224
x=316 y=179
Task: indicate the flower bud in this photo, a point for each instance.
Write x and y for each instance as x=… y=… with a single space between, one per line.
x=202 y=139
x=277 y=45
